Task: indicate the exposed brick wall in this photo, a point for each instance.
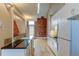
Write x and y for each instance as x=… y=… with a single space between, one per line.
x=41 y=27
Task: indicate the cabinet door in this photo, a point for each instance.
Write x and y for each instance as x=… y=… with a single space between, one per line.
x=75 y=38
x=13 y=52
x=63 y=47
x=52 y=44
x=64 y=29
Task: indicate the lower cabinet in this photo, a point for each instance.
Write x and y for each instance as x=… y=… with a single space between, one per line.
x=52 y=44
x=13 y=52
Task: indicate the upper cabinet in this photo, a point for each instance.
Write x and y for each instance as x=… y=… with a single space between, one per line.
x=64 y=29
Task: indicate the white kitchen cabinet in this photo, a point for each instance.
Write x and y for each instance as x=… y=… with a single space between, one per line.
x=53 y=44
x=64 y=29
x=64 y=40
x=68 y=38
x=13 y=52
x=63 y=47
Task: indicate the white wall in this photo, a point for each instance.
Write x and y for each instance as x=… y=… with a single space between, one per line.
x=21 y=25
x=55 y=7
x=6 y=28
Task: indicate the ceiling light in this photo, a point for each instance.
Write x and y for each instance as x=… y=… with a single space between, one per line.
x=38 y=8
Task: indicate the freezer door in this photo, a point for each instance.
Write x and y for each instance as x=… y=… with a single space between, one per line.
x=75 y=38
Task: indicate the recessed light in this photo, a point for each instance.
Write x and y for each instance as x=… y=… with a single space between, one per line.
x=27 y=17
x=38 y=8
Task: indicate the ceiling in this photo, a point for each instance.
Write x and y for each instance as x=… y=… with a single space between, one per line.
x=30 y=9
x=55 y=7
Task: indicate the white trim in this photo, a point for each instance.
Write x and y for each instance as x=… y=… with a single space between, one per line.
x=38 y=8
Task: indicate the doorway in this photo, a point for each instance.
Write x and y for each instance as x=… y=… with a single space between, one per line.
x=31 y=29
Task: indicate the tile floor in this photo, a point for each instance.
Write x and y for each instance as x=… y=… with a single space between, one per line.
x=41 y=48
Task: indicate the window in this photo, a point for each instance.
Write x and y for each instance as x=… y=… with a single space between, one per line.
x=31 y=29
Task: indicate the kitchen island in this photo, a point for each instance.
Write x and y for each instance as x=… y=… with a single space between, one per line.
x=19 y=47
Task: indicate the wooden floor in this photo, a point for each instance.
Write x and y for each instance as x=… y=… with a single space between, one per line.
x=41 y=48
